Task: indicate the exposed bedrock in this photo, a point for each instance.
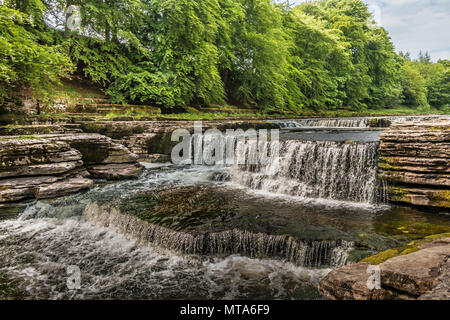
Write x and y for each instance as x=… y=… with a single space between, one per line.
x=102 y=157
x=147 y=138
x=48 y=166
x=415 y=163
x=423 y=274
x=40 y=168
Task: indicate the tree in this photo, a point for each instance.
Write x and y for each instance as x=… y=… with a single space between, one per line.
x=414 y=87
x=373 y=79
x=320 y=62
x=257 y=67
x=23 y=61
x=439 y=85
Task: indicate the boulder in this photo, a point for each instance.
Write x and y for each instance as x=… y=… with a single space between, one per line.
x=421 y=274
x=416 y=272
x=350 y=283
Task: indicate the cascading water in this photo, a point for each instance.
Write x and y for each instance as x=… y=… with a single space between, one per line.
x=336 y=123
x=319 y=169
x=122 y=256
x=302 y=253
x=36 y=254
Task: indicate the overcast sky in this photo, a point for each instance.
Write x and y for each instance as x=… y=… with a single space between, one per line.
x=414 y=25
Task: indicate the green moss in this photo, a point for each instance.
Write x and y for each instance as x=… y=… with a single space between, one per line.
x=438 y=236
x=438 y=128
x=436 y=198
x=411 y=247
x=379 y=123
x=441 y=198
x=388 y=163
x=411 y=229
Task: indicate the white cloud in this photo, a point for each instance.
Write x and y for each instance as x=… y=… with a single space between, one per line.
x=414 y=25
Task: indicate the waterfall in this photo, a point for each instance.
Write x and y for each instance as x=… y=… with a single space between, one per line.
x=336 y=123
x=315 y=169
x=287 y=124
x=253 y=245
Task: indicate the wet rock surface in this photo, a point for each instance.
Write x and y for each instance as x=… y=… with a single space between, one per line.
x=415 y=162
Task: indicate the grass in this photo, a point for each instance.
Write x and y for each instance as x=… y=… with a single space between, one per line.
x=211 y=116
x=399 y=111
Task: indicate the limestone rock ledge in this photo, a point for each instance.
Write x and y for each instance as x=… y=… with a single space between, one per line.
x=48 y=166
x=147 y=138
x=39 y=168
x=424 y=274
x=415 y=163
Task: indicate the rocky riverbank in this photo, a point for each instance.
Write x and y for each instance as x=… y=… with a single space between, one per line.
x=415 y=163
x=48 y=166
x=423 y=274
x=52 y=160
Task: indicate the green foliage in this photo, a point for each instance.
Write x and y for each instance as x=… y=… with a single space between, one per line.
x=320 y=56
x=414 y=87
x=437 y=77
x=24 y=62
x=99 y=60
x=256 y=72
x=320 y=62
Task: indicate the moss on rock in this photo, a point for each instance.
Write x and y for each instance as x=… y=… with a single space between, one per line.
x=403 y=250
x=411 y=229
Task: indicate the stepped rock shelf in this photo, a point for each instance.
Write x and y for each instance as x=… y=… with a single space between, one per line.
x=415 y=163
x=48 y=166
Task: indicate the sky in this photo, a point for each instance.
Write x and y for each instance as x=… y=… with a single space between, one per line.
x=414 y=25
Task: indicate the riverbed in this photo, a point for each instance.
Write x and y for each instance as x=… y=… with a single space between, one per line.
x=217 y=232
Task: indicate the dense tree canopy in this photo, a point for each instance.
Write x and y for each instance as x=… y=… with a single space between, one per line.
x=324 y=54
x=24 y=62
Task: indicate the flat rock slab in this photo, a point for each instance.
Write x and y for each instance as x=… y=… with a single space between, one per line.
x=416 y=272
x=53 y=165
x=350 y=283
x=424 y=274
x=41 y=187
x=441 y=290
x=115 y=171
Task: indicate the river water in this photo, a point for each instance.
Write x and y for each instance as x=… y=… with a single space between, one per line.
x=216 y=232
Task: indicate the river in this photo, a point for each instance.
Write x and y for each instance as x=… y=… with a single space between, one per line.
x=267 y=231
